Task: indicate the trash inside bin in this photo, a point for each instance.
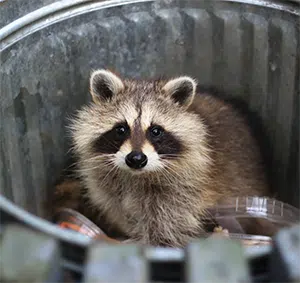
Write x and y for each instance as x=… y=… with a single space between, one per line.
x=246 y=48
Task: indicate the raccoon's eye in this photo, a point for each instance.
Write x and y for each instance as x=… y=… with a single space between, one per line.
x=121 y=130
x=156 y=131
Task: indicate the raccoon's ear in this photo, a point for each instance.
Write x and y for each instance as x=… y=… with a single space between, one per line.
x=182 y=90
x=104 y=85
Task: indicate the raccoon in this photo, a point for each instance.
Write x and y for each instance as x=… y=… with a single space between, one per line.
x=154 y=156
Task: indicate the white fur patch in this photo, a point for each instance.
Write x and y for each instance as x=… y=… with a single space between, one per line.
x=147 y=117
x=129 y=113
x=121 y=155
x=153 y=159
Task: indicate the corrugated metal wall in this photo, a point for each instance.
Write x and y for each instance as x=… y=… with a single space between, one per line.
x=250 y=50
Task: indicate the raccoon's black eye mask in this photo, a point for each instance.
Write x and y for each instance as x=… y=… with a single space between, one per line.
x=156 y=131
x=121 y=131
x=111 y=141
x=164 y=142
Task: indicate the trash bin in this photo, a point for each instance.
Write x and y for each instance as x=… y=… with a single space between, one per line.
x=250 y=49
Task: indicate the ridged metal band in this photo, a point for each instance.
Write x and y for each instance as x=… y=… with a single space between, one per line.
x=66 y=9
x=52 y=14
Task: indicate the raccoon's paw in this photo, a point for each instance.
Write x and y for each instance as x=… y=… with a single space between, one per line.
x=219 y=230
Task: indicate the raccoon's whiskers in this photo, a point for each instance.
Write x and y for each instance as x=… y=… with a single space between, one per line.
x=98 y=161
x=82 y=170
x=171 y=156
x=108 y=163
x=100 y=157
x=171 y=168
x=177 y=170
x=111 y=172
x=167 y=175
x=110 y=143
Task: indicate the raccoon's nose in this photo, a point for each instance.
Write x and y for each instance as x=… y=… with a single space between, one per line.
x=136 y=160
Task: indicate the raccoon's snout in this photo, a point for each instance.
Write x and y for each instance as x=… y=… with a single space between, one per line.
x=136 y=160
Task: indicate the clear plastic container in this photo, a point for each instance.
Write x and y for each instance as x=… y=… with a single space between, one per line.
x=70 y=219
x=251 y=220
x=277 y=212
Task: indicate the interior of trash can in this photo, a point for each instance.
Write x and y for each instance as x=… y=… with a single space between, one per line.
x=250 y=50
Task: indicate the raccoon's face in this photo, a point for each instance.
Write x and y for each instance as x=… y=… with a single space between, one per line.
x=135 y=125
